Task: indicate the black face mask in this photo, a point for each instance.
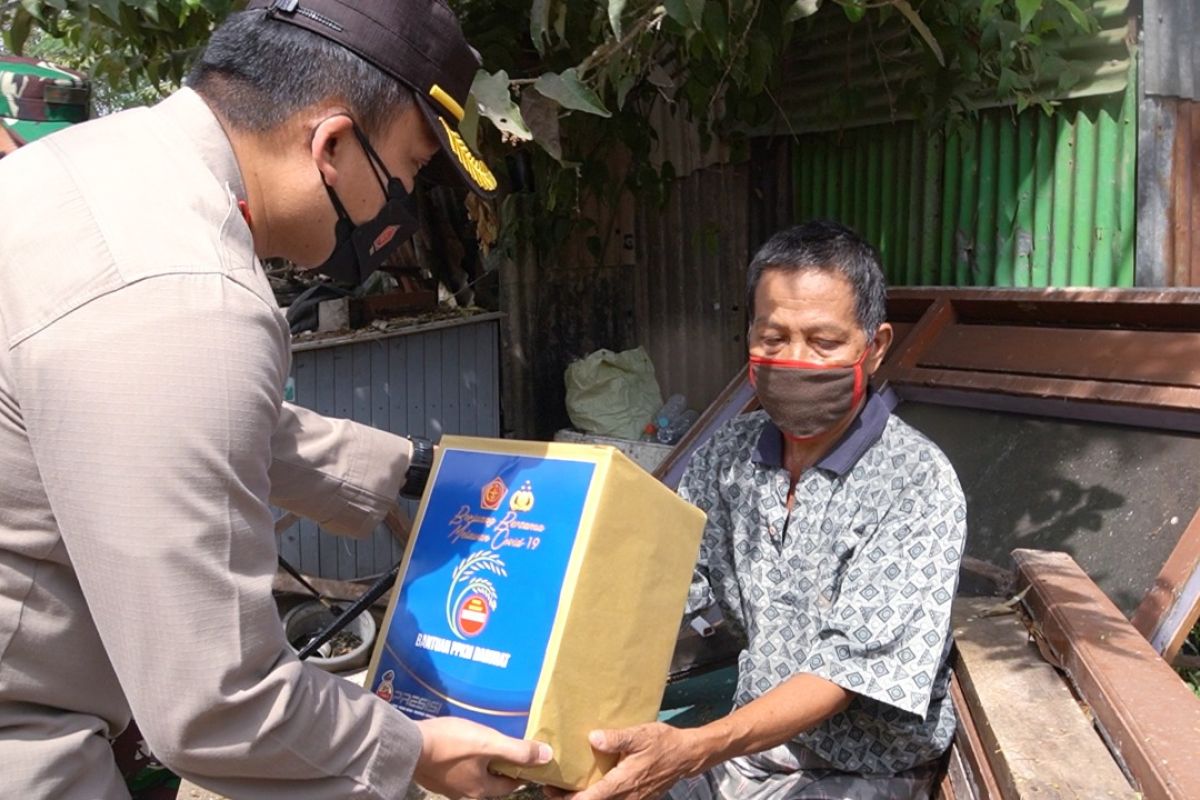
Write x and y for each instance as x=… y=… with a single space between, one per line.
x=361 y=249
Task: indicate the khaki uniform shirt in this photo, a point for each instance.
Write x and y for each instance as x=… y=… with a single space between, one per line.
x=142 y=438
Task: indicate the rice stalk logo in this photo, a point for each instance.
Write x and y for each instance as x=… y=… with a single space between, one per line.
x=472 y=596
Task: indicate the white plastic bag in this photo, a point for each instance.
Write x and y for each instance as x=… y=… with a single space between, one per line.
x=613 y=394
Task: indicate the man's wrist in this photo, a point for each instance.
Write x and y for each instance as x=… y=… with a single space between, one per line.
x=707 y=746
x=419 y=466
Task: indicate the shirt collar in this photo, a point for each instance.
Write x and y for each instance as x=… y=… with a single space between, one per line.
x=864 y=431
x=188 y=110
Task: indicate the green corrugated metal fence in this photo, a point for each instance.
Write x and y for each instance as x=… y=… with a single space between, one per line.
x=1004 y=200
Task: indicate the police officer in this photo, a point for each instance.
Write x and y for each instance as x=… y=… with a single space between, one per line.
x=143 y=433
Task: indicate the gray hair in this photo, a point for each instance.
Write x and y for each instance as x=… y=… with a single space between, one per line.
x=832 y=247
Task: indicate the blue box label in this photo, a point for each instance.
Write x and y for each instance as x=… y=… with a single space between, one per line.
x=478 y=601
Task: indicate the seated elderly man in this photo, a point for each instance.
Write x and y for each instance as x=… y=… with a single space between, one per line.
x=833 y=544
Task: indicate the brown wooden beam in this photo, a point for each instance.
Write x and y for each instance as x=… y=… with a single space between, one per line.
x=932 y=325
x=1130 y=356
x=1171 y=607
x=1154 y=309
x=969 y=746
x=1146 y=713
x=1183 y=399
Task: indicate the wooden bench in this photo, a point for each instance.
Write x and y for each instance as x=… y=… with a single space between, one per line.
x=1067 y=700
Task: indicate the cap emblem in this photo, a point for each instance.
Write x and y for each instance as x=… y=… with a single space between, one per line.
x=474 y=167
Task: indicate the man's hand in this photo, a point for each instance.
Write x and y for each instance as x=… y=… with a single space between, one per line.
x=652 y=758
x=455 y=755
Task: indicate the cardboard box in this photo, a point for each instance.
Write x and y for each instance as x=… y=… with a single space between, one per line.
x=541 y=595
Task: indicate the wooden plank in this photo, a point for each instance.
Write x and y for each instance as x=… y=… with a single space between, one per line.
x=1131 y=356
x=900 y=331
x=955 y=784
x=1172 y=398
x=401 y=327
x=1171 y=607
x=1051 y=406
x=1154 y=309
x=907 y=306
x=968 y=746
x=932 y=324
x=1038 y=741
x=1147 y=714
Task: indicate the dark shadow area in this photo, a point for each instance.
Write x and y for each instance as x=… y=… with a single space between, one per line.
x=1116 y=498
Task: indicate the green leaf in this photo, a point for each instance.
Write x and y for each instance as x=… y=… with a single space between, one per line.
x=109 y=8
x=915 y=19
x=468 y=127
x=18 y=32
x=496 y=103
x=1026 y=10
x=542 y=115
x=678 y=10
x=716 y=27
x=625 y=84
x=615 y=7
x=799 y=9
x=688 y=13
x=855 y=10
x=1081 y=19
x=760 y=60
x=989 y=9
x=539 y=25
x=560 y=22
x=570 y=92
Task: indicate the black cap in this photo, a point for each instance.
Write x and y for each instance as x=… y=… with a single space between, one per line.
x=417 y=42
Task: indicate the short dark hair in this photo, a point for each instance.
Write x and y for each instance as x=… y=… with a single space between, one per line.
x=830 y=246
x=257 y=73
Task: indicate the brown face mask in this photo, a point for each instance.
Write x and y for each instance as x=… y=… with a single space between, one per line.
x=806 y=400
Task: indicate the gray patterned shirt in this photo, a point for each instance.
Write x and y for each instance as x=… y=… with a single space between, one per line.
x=854 y=586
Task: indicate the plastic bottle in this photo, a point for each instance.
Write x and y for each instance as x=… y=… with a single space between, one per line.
x=676 y=404
x=673 y=432
x=650 y=433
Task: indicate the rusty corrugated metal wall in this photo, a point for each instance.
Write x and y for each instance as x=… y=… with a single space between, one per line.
x=691 y=258
x=1169 y=146
x=1009 y=200
x=1172 y=48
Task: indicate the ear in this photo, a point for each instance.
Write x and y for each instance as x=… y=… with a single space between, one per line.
x=881 y=344
x=329 y=143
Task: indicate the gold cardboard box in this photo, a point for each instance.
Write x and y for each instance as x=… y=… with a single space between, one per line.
x=541 y=594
